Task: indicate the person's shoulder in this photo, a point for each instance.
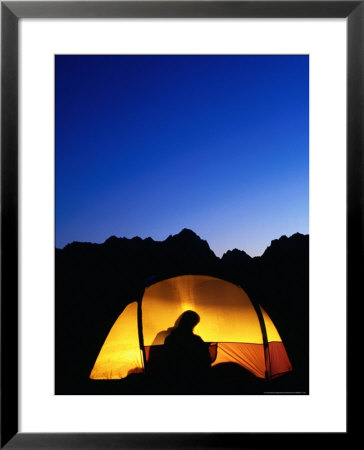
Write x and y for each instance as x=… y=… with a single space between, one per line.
x=198 y=338
x=170 y=338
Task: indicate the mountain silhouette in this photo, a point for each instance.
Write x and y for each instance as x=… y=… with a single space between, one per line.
x=94 y=283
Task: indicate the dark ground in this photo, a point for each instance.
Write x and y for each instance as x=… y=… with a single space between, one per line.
x=225 y=379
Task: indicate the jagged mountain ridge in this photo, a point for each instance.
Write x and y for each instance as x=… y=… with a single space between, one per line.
x=186 y=241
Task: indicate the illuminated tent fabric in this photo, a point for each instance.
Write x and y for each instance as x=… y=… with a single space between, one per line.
x=238 y=331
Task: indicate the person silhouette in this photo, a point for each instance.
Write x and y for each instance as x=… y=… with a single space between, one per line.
x=186 y=356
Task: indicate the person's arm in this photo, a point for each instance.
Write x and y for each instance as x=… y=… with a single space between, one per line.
x=205 y=354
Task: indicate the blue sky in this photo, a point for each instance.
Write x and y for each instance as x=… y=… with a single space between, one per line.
x=148 y=145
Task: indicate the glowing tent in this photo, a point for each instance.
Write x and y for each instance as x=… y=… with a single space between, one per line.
x=241 y=332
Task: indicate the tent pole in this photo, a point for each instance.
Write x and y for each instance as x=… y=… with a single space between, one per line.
x=140 y=331
x=264 y=334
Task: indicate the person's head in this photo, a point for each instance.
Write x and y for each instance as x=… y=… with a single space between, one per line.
x=187 y=321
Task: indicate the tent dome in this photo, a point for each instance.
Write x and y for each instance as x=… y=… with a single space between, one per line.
x=240 y=331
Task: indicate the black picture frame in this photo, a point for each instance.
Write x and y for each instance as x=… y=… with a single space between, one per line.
x=11 y=12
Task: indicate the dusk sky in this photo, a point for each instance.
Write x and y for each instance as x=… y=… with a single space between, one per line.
x=149 y=145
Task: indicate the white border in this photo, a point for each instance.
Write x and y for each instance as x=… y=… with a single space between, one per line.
x=324 y=409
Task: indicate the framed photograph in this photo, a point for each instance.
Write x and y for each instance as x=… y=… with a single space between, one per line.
x=181 y=221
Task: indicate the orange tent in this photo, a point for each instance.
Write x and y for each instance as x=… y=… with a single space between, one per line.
x=241 y=332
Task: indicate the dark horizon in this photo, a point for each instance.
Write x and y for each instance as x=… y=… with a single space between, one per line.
x=188 y=230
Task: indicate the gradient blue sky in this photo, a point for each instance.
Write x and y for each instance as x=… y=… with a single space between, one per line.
x=148 y=145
